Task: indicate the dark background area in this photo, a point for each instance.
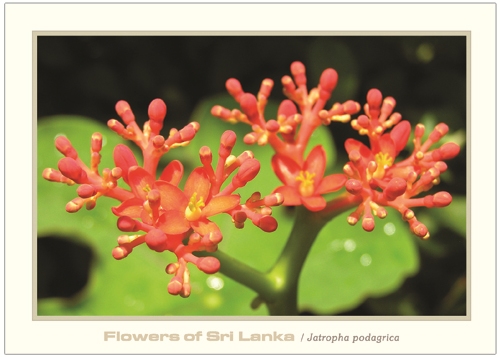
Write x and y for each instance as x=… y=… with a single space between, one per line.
x=86 y=76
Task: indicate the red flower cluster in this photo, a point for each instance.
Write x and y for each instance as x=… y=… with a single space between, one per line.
x=297 y=118
x=165 y=214
x=378 y=180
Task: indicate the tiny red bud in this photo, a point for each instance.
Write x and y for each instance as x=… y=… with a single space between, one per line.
x=96 y=143
x=374 y=98
x=127 y=224
x=208 y=265
x=439 y=131
x=205 y=156
x=248 y=104
x=124 y=159
x=227 y=142
x=233 y=86
x=268 y=224
x=75 y=205
x=247 y=172
x=449 y=151
x=395 y=188
x=353 y=186
x=120 y=252
x=157 y=110
x=86 y=191
x=158 y=141
x=327 y=82
x=441 y=199
x=72 y=170
x=368 y=224
x=156 y=240
x=175 y=286
x=266 y=87
x=63 y=145
x=287 y=108
x=272 y=126
x=299 y=72
x=124 y=111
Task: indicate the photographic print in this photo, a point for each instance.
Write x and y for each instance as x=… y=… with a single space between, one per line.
x=250 y=178
x=251 y=175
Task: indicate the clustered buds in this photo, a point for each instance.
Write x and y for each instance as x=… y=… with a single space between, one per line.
x=378 y=180
x=157 y=211
x=288 y=134
x=297 y=116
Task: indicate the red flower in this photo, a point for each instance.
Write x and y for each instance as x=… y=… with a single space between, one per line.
x=305 y=185
x=381 y=181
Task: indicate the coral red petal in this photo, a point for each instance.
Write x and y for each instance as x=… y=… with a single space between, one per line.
x=173 y=222
x=172 y=173
x=290 y=195
x=198 y=182
x=140 y=181
x=314 y=203
x=131 y=208
x=172 y=198
x=220 y=204
x=387 y=145
x=204 y=226
x=353 y=144
x=331 y=183
x=315 y=163
x=286 y=169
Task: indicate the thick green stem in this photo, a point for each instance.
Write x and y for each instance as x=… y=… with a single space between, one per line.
x=285 y=273
x=278 y=287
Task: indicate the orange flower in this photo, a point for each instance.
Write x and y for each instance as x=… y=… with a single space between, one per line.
x=304 y=185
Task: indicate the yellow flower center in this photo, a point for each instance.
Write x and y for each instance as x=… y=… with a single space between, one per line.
x=384 y=161
x=306 y=187
x=146 y=188
x=193 y=209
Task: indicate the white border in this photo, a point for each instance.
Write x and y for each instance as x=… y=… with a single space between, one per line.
x=22 y=335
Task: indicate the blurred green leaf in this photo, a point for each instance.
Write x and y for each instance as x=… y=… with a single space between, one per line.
x=346 y=264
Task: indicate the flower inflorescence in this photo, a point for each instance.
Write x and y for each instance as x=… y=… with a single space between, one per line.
x=373 y=173
x=156 y=210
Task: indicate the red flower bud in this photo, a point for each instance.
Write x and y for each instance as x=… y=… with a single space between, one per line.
x=227 y=142
x=209 y=265
x=86 y=191
x=268 y=224
x=248 y=104
x=395 y=188
x=70 y=168
x=124 y=111
x=96 y=142
x=354 y=186
x=327 y=82
x=374 y=98
x=157 y=110
x=299 y=72
x=64 y=146
x=247 y=172
x=127 y=224
x=156 y=240
x=233 y=86
x=124 y=159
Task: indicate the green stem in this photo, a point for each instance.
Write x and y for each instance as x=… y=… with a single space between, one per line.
x=278 y=287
